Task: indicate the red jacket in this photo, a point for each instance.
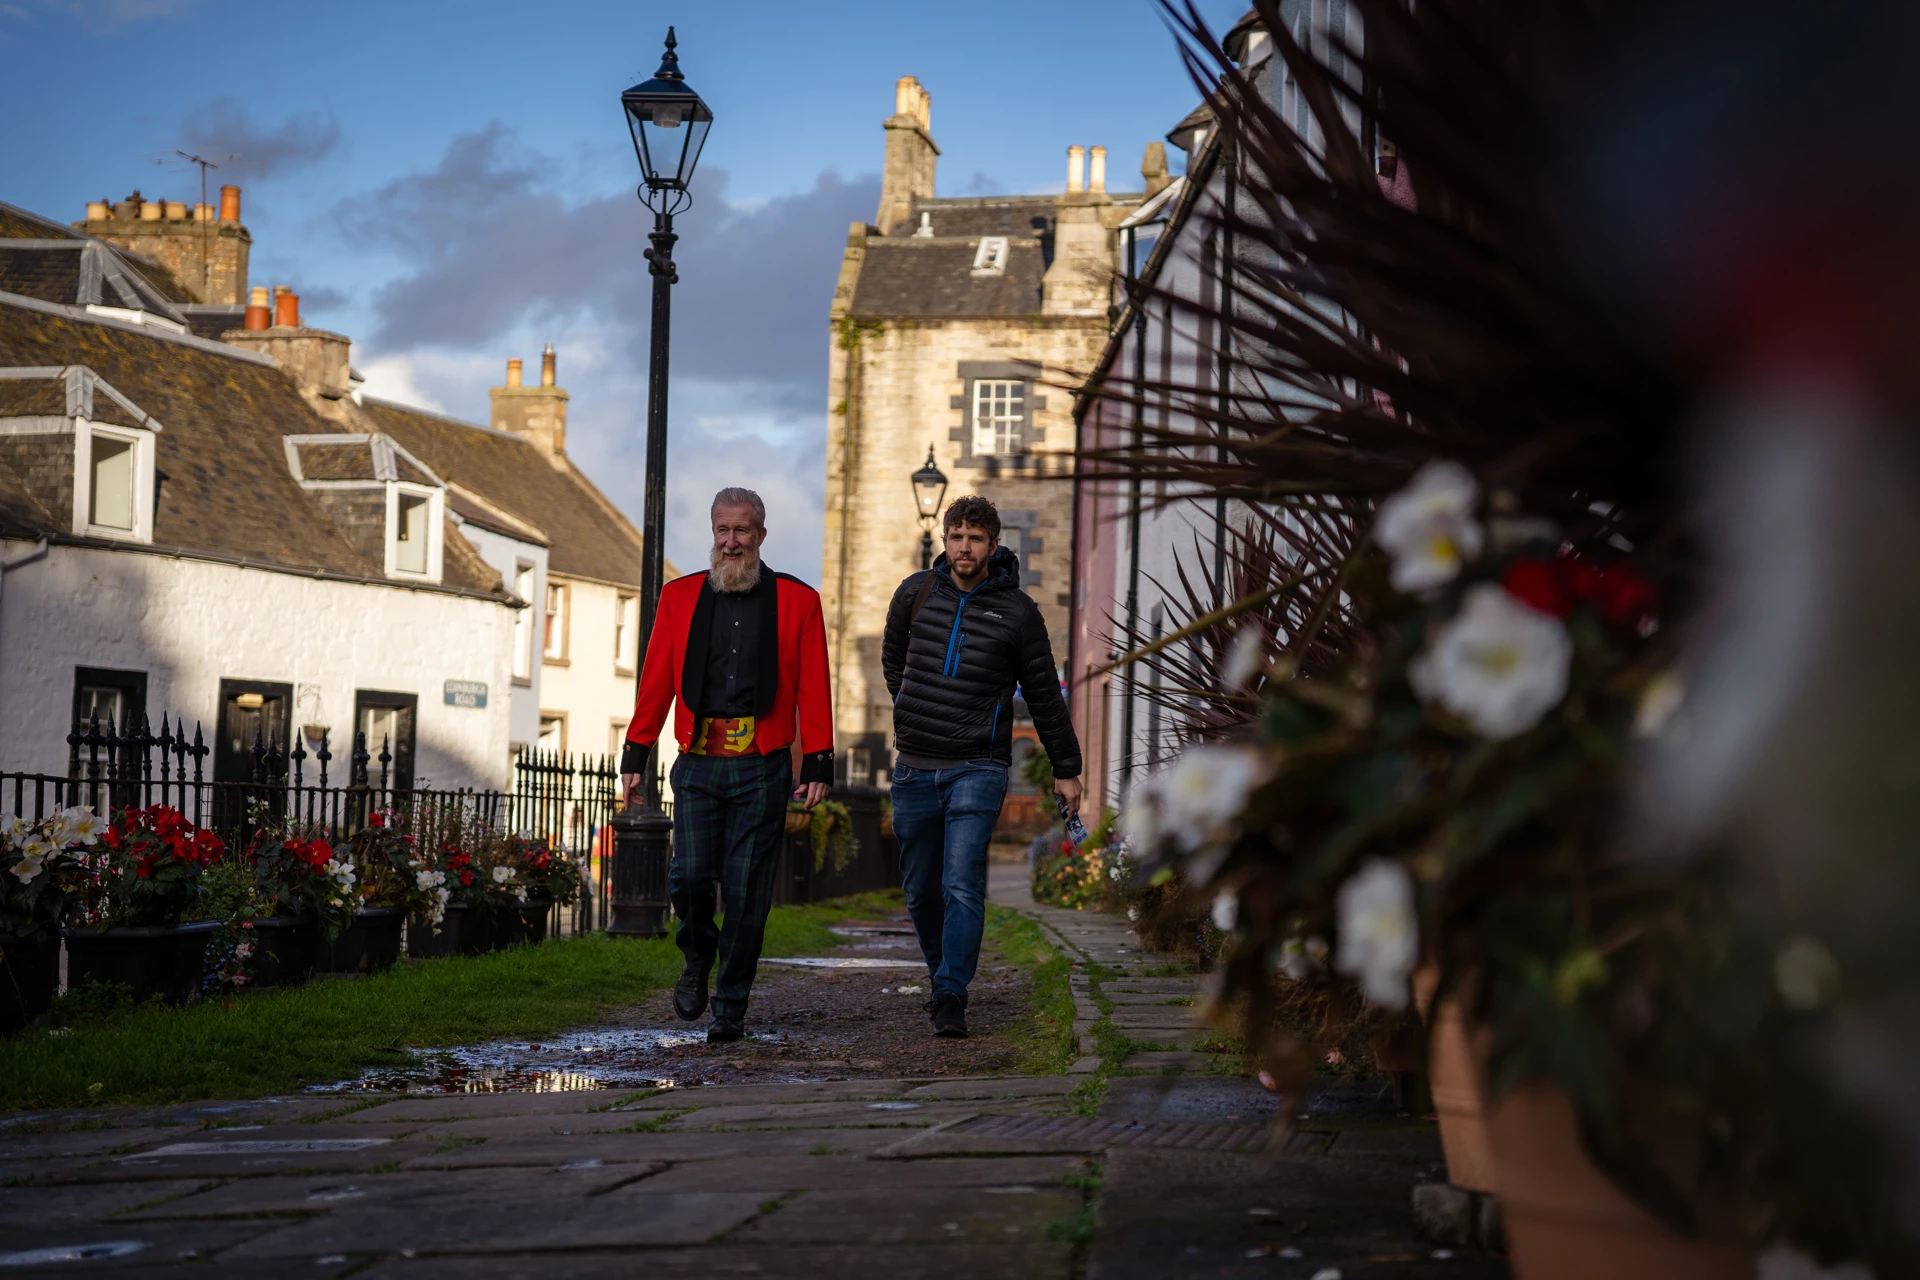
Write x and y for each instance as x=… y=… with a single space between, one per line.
x=791 y=690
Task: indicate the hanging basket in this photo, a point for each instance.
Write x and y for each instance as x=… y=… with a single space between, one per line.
x=798 y=820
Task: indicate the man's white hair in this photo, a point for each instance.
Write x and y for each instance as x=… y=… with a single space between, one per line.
x=734 y=496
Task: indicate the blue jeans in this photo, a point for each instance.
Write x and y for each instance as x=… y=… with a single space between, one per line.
x=943 y=820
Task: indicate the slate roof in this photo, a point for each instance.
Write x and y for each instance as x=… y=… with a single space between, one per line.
x=225 y=489
x=1025 y=217
x=919 y=276
x=40 y=258
x=588 y=537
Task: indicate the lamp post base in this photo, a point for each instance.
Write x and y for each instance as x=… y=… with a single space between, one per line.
x=642 y=850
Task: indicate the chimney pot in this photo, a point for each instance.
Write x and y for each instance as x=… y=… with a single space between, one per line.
x=1097 y=174
x=286 y=307
x=176 y=211
x=1076 y=168
x=513 y=373
x=98 y=211
x=203 y=213
x=546 y=367
x=229 y=204
x=151 y=210
x=258 y=316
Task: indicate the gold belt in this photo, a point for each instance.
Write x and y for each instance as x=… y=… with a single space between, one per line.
x=723 y=736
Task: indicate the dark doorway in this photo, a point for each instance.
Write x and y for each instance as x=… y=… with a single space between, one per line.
x=388 y=718
x=251 y=712
x=117 y=698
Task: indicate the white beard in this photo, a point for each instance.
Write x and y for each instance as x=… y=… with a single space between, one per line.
x=734 y=576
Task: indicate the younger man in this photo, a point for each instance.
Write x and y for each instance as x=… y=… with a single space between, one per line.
x=962 y=638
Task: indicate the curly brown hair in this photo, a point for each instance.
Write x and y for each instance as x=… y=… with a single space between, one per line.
x=973 y=510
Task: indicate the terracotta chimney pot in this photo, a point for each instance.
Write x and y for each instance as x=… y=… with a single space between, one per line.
x=258 y=316
x=546 y=367
x=151 y=211
x=286 y=307
x=229 y=204
x=513 y=373
x=98 y=210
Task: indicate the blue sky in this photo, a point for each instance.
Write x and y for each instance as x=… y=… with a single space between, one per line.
x=450 y=183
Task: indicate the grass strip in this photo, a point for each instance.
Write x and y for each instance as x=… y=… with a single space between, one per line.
x=1045 y=1041
x=259 y=1043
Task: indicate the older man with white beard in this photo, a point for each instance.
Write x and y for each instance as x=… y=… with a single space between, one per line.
x=740 y=652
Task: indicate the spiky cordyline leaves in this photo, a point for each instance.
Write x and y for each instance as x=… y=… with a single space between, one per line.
x=1368 y=324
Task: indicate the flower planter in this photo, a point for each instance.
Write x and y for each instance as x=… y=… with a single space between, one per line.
x=28 y=980
x=286 y=950
x=168 y=963
x=1454 y=1076
x=466 y=931
x=538 y=916
x=509 y=927
x=1566 y=1221
x=369 y=944
x=798 y=820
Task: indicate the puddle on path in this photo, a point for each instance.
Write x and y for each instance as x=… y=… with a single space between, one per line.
x=606 y=1058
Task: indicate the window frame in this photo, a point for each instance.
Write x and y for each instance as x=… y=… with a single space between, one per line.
x=523 y=620
x=626 y=633
x=436 y=530
x=539 y=731
x=141 y=439
x=548 y=655
x=1016 y=436
x=991 y=255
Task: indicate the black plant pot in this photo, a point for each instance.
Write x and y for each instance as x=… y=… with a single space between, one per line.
x=369 y=943
x=30 y=976
x=462 y=933
x=509 y=927
x=536 y=915
x=168 y=963
x=286 y=950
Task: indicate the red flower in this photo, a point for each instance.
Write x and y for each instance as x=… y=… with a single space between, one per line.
x=1542 y=585
x=112 y=837
x=466 y=877
x=144 y=866
x=1624 y=596
x=377 y=820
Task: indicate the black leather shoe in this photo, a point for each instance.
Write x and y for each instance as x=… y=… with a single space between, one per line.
x=949 y=1018
x=725 y=1032
x=690 y=993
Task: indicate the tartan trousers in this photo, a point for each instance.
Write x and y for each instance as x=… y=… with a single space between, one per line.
x=729 y=816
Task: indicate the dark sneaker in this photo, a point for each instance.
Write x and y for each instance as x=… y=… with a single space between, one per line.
x=725 y=1031
x=690 y=993
x=949 y=1018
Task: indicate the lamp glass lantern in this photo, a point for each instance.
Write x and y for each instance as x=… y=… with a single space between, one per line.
x=929 y=488
x=669 y=123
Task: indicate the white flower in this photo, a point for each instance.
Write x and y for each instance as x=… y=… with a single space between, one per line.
x=1115 y=872
x=1133 y=913
x=83 y=826
x=28 y=868
x=1299 y=958
x=425 y=880
x=1782 y=1262
x=520 y=892
x=1497 y=664
x=14 y=828
x=1806 y=974
x=1197 y=799
x=1428 y=527
x=341 y=873
x=1379 y=935
x=502 y=874
x=1226 y=911
x=1246 y=659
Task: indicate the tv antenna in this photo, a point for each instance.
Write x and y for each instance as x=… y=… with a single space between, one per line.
x=206 y=224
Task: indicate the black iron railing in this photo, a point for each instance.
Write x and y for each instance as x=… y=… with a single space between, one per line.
x=566 y=799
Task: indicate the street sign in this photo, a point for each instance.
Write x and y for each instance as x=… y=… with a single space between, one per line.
x=466 y=693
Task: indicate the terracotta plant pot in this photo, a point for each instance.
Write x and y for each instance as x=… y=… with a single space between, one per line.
x=798 y=821
x=1566 y=1221
x=1454 y=1079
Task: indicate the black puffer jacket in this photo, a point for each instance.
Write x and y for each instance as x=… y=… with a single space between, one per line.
x=953 y=670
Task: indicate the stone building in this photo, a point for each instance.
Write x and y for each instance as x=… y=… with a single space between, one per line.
x=204 y=248
x=960 y=325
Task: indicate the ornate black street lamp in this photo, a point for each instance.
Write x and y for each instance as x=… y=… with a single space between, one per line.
x=669 y=124
x=929 y=491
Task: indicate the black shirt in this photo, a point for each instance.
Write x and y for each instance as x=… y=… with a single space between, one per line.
x=733 y=652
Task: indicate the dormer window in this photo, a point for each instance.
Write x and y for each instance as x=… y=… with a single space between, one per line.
x=990 y=259
x=415 y=531
x=113 y=482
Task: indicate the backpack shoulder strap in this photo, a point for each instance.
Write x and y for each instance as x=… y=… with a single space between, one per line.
x=920 y=597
